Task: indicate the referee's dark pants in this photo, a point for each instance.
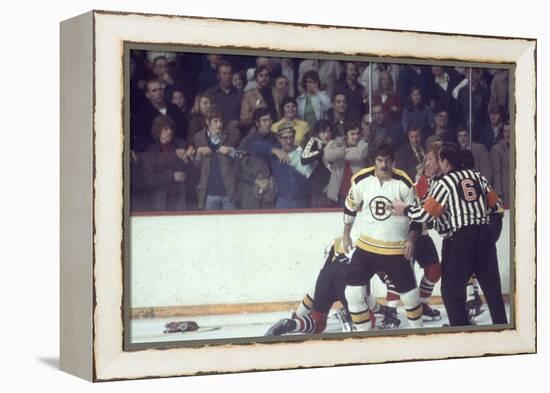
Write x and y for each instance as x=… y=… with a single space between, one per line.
x=472 y=250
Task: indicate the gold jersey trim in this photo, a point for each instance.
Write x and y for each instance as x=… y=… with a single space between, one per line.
x=381 y=247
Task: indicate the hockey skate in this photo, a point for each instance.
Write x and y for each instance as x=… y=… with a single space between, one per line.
x=430 y=314
x=382 y=310
x=284 y=326
x=390 y=321
x=343 y=316
x=473 y=307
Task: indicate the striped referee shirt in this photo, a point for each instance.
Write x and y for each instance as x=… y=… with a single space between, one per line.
x=464 y=196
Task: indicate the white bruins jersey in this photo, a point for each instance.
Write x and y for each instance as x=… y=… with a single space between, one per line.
x=381 y=232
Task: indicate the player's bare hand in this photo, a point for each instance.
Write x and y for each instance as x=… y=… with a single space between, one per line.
x=398 y=207
x=347 y=244
x=408 y=248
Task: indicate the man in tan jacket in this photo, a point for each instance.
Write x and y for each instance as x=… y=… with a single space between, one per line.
x=347 y=155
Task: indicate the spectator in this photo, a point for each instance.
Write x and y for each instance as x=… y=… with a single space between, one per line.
x=386 y=96
x=208 y=77
x=346 y=155
x=328 y=70
x=411 y=156
x=441 y=127
x=217 y=189
x=141 y=122
x=417 y=113
x=384 y=127
x=313 y=103
x=377 y=70
x=290 y=175
x=313 y=154
x=289 y=110
x=500 y=157
x=354 y=91
x=224 y=96
x=161 y=73
x=280 y=91
x=251 y=82
x=337 y=115
x=414 y=75
x=480 y=100
x=257 y=188
x=443 y=83
x=238 y=81
x=367 y=134
x=482 y=160
x=258 y=97
x=499 y=88
x=290 y=72
x=201 y=107
x=492 y=133
x=165 y=167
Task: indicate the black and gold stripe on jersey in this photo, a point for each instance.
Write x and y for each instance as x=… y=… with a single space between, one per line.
x=381 y=247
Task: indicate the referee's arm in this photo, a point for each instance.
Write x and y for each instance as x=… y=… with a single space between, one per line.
x=432 y=208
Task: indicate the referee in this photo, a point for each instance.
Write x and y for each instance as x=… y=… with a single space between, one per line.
x=467 y=199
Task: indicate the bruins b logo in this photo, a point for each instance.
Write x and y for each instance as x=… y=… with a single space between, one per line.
x=380 y=208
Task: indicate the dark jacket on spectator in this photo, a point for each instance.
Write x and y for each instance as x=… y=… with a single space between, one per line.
x=141 y=122
x=407 y=161
x=159 y=164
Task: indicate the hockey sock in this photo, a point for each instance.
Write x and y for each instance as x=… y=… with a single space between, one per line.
x=314 y=322
x=432 y=274
x=470 y=290
x=358 y=307
x=413 y=307
x=305 y=306
x=392 y=297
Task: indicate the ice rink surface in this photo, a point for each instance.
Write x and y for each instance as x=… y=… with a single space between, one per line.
x=211 y=327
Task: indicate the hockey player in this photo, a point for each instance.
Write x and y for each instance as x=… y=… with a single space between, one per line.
x=425 y=254
x=311 y=315
x=386 y=242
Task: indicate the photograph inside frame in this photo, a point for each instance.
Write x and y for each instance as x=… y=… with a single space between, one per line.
x=275 y=197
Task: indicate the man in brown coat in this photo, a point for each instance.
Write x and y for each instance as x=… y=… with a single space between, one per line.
x=347 y=155
x=500 y=156
x=217 y=189
x=261 y=96
x=481 y=155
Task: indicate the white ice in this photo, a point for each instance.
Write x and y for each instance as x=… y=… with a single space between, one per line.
x=248 y=325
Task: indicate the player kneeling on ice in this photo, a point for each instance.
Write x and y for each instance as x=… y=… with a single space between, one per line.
x=311 y=315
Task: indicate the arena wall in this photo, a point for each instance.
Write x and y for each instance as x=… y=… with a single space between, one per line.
x=228 y=259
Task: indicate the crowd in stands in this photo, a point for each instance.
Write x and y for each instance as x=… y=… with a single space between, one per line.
x=225 y=132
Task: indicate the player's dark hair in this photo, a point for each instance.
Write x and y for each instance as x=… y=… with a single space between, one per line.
x=385 y=150
x=450 y=152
